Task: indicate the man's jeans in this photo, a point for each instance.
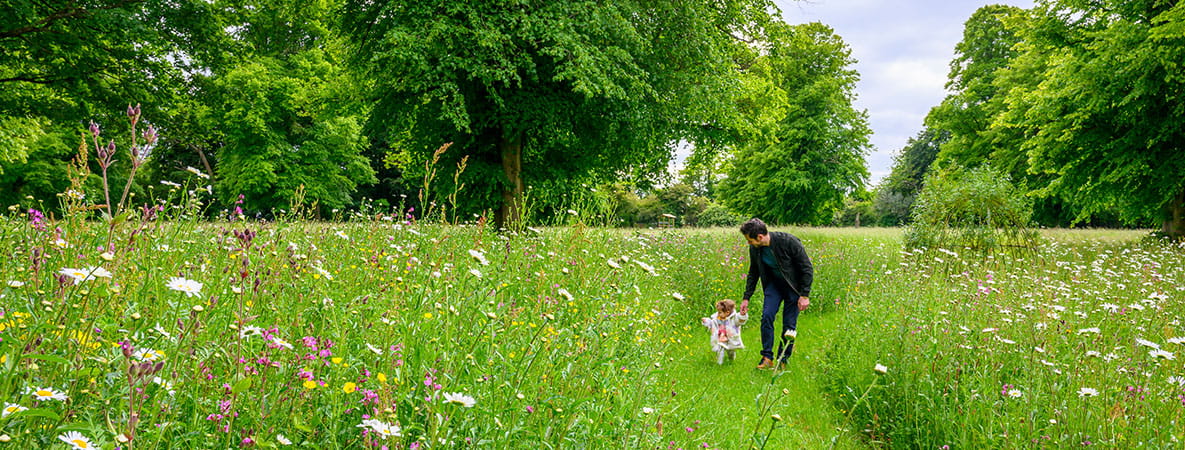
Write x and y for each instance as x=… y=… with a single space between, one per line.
x=778 y=295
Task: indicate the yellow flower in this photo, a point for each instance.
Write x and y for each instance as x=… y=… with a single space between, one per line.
x=310 y=384
x=349 y=388
x=427 y=315
x=382 y=378
x=337 y=360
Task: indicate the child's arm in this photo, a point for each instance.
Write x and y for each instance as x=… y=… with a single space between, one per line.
x=706 y=321
x=742 y=318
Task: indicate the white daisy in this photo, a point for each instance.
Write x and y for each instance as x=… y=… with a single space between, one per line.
x=1094 y=330
x=76 y=440
x=10 y=408
x=189 y=287
x=479 y=257
x=15 y=284
x=1087 y=392
x=381 y=428
x=1161 y=354
x=459 y=398
x=1147 y=343
x=47 y=394
x=880 y=369
x=283 y=440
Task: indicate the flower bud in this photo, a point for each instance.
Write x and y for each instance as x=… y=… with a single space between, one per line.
x=94 y=129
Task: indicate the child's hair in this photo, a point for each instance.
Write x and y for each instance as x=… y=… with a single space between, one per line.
x=726 y=305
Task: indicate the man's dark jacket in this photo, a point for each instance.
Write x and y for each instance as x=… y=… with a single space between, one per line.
x=793 y=264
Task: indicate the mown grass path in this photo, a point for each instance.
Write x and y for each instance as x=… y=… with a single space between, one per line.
x=740 y=400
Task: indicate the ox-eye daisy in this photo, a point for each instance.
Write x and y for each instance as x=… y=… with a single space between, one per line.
x=189 y=287
x=76 y=440
x=47 y=394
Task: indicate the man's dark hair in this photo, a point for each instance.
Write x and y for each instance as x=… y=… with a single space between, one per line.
x=754 y=227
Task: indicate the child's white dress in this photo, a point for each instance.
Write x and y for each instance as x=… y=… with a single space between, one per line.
x=726 y=333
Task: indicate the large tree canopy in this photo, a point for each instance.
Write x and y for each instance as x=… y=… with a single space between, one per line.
x=1107 y=120
x=538 y=92
x=799 y=170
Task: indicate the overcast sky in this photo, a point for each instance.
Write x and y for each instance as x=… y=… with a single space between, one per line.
x=903 y=48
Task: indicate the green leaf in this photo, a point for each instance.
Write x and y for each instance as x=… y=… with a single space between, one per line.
x=241 y=386
x=299 y=423
x=50 y=358
x=37 y=412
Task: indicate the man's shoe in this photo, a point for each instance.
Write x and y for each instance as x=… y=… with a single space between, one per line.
x=766 y=363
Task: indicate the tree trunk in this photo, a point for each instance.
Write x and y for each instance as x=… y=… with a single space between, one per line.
x=510 y=211
x=1174 y=225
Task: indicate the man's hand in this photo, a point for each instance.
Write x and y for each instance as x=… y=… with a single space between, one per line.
x=803 y=303
x=744 y=307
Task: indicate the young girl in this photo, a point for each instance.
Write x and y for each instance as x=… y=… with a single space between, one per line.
x=725 y=326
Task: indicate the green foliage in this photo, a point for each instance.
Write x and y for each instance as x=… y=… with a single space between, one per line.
x=1104 y=121
x=282 y=133
x=570 y=99
x=800 y=171
x=717 y=215
x=895 y=196
x=978 y=209
x=16 y=135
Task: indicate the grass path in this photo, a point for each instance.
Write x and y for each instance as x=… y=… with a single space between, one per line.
x=739 y=399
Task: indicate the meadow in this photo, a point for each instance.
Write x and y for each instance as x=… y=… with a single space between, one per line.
x=378 y=331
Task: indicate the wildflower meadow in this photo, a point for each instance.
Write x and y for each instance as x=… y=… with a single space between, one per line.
x=377 y=331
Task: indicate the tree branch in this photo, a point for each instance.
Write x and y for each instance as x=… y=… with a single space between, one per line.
x=68 y=12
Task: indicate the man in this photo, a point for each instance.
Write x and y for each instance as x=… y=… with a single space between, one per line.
x=786 y=273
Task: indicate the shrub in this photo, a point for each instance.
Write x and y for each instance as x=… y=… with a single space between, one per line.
x=979 y=209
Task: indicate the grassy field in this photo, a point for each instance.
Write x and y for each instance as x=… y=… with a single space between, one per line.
x=381 y=333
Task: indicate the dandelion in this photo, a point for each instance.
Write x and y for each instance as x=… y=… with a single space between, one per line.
x=76 y=440
x=1087 y=392
x=189 y=287
x=349 y=387
x=47 y=394
x=460 y=399
x=10 y=408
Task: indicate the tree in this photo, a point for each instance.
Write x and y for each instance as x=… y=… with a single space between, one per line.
x=284 y=141
x=800 y=169
x=1106 y=122
x=534 y=91
x=966 y=115
x=895 y=197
